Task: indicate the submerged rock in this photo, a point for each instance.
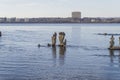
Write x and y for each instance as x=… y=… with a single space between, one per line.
x=39 y=45
x=49 y=45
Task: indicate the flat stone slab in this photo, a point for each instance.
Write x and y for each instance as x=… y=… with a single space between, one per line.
x=115 y=48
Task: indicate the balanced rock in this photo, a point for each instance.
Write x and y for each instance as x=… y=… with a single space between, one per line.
x=61 y=39
x=54 y=39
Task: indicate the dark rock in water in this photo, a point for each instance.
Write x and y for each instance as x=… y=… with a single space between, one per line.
x=49 y=45
x=39 y=45
x=61 y=45
x=0 y=33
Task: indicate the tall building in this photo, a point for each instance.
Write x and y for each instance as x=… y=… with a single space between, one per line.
x=76 y=15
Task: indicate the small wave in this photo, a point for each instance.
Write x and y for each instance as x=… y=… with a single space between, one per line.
x=25 y=31
x=100 y=55
x=93 y=48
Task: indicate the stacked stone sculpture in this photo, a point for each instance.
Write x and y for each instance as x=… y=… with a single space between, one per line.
x=112 y=47
x=111 y=42
x=54 y=39
x=62 y=40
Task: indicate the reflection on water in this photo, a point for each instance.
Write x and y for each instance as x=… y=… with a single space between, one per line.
x=75 y=35
x=61 y=52
x=114 y=54
x=111 y=55
x=54 y=54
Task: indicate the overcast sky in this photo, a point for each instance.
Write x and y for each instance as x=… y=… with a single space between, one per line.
x=59 y=8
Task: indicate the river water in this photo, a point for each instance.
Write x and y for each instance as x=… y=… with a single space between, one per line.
x=86 y=56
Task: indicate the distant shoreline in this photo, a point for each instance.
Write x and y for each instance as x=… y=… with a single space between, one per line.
x=63 y=23
x=57 y=24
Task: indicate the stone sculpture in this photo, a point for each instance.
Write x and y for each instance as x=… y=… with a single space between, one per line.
x=61 y=39
x=112 y=41
x=54 y=39
x=65 y=42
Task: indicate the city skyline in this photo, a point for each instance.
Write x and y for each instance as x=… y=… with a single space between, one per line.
x=59 y=8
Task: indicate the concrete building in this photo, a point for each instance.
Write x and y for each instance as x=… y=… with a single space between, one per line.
x=8 y=20
x=2 y=20
x=19 y=20
x=76 y=15
x=26 y=19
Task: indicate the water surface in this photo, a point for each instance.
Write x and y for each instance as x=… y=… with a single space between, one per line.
x=86 y=56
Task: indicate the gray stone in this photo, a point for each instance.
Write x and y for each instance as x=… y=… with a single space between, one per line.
x=65 y=42
x=54 y=39
x=61 y=38
x=112 y=41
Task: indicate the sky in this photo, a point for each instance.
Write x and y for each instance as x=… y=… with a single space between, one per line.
x=59 y=8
